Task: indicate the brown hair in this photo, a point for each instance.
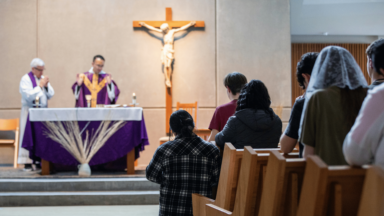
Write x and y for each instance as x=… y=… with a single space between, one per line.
x=235 y=81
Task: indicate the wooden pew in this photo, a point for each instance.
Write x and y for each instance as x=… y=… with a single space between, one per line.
x=228 y=182
x=330 y=190
x=229 y=173
x=280 y=188
x=372 y=199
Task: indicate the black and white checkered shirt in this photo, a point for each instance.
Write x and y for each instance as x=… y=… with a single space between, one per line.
x=182 y=167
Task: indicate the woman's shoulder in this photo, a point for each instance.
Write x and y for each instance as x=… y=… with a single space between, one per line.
x=208 y=147
x=377 y=91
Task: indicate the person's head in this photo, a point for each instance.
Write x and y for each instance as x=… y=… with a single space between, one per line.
x=370 y=67
x=37 y=66
x=378 y=58
x=336 y=67
x=234 y=82
x=255 y=96
x=98 y=63
x=164 y=27
x=304 y=68
x=181 y=123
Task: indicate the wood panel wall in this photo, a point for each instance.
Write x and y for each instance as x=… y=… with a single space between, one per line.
x=298 y=49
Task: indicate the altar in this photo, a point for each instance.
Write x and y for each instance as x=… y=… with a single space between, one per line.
x=128 y=141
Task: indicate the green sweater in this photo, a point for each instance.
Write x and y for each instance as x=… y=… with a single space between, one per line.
x=324 y=125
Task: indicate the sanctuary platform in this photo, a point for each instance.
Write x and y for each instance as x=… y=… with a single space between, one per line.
x=19 y=188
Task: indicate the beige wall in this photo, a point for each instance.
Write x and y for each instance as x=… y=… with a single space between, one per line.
x=249 y=36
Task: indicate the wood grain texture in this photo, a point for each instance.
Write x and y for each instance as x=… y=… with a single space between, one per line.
x=45 y=167
x=172 y=24
x=252 y=183
x=249 y=185
x=282 y=186
x=168 y=108
x=131 y=162
x=373 y=193
x=299 y=49
x=168 y=14
x=11 y=125
x=230 y=174
x=168 y=19
x=191 y=108
x=330 y=190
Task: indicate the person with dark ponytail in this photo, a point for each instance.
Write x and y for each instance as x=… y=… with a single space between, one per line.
x=184 y=166
x=254 y=123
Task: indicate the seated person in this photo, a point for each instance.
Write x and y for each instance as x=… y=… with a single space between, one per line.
x=233 y=82
x=332 y=101
x=376 y=77
x=364 y=144
x=184 y=166
x=254 y=123
x=289 y=138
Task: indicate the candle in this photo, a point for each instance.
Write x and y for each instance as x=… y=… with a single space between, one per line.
x=134 y=99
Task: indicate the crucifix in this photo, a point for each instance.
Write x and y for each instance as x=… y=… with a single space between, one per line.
x=167 y=53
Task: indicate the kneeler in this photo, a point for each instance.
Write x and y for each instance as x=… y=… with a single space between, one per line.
x=330 y=190
x=229 y=176
x=372 y=199
x=252 y=182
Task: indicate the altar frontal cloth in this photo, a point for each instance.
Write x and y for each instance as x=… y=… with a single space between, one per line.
x=132 y=136
x=85 y=114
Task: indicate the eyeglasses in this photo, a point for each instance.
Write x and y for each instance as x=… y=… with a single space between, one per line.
x=40 y=70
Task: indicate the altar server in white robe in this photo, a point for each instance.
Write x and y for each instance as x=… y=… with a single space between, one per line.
x=32 y=85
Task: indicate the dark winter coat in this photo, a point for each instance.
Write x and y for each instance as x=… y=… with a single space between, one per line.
x=249 y=127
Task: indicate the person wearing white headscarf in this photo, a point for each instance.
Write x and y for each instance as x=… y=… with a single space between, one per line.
x=332 y=101
x=32 y=85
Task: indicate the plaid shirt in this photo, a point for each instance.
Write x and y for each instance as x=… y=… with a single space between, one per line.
x=182 y=167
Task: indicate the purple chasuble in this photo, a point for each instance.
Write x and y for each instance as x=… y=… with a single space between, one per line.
x=102 y=95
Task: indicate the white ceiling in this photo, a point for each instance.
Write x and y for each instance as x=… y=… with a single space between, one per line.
x=337 y=17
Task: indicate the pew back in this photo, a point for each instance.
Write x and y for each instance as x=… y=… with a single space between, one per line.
x=282 y=186
x=373 y=193
x=330 y=191
x=249 y=185
x=229 y=176
x=229 y=173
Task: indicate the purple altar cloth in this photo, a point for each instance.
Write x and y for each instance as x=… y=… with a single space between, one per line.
x=133 y=135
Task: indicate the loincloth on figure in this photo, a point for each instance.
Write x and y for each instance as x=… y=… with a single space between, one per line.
x=167 y=55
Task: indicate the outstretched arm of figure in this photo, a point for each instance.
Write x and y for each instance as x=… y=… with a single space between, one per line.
x=185 y=27
x=150 y=27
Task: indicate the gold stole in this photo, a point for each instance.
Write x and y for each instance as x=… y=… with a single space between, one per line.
x=94 y=87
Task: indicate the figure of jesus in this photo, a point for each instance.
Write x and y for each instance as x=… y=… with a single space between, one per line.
x=167 y=53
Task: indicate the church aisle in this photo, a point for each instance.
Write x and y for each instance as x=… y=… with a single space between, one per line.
x=142 y=210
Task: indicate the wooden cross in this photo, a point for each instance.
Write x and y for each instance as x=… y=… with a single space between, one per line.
x=171 y=24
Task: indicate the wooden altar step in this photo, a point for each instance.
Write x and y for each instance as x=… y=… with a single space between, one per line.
x=78 y=191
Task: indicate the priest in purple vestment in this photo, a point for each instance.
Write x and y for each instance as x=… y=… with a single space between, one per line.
x=96 y=83
x=33 y=85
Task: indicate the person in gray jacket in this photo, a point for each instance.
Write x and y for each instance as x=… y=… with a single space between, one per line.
x=254 y=122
